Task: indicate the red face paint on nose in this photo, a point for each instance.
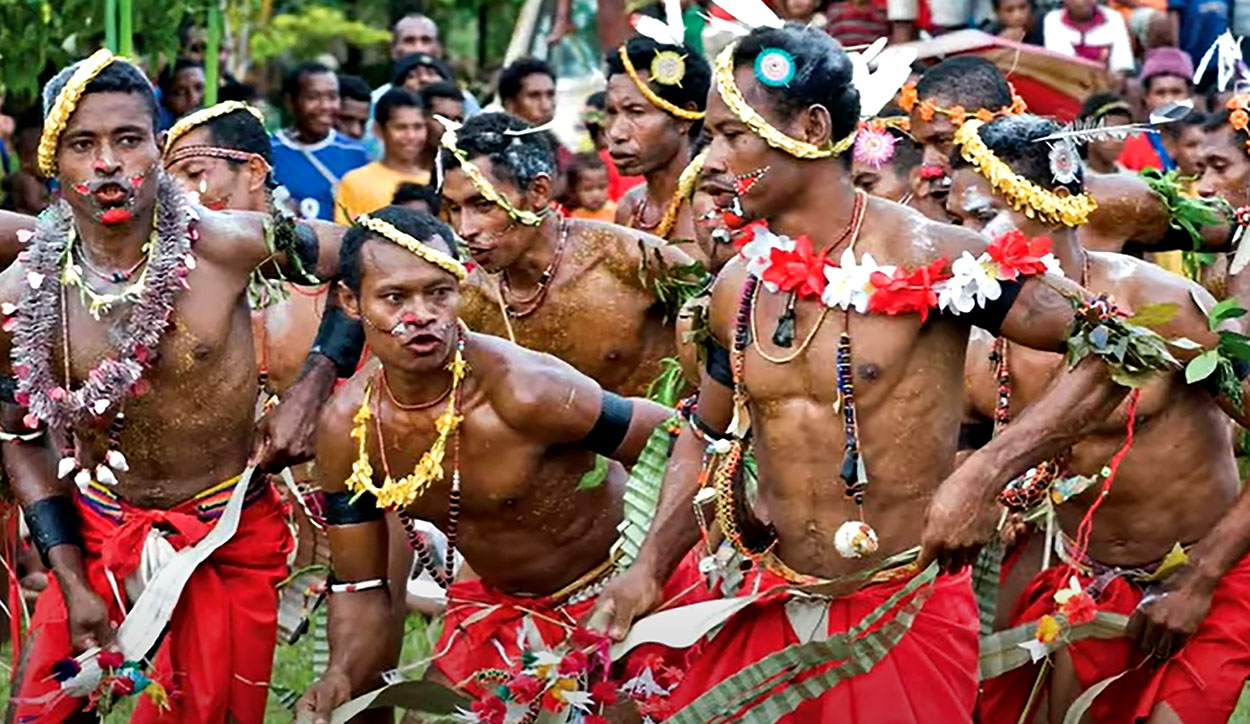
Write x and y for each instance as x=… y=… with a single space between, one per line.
x=99 y=166
x=408 y=318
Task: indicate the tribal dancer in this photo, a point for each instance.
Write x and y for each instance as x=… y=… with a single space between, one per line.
x=653 y=115
x=1132 y=213
x=1226 y=176
x=851 y=367
x=496 y=438
x=886 y=161
x=1175 y=489
x=127 y=330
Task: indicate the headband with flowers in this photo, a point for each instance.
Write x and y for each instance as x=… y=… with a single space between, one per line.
x=1238 y=118
x=874 y=144
x=908 y=99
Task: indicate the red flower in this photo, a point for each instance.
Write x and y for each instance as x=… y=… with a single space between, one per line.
x=800 y=270
x=525 y=689
x=490 y=711
x=1018 y=255
x=584 y=638
x=746 y=234
x=552 y=702
x=109 y=659
x=122 y=686
x=1078 y=609
x=603 y=692
x=903 y=293
x=573 y=663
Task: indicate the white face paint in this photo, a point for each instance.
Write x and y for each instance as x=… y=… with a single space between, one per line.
x=999 y=225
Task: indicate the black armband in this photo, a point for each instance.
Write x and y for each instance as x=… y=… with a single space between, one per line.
x=8 y=389
x=341 y=339
x=613 y=423
x=347 y=508
x=975 y=435
x=991 y=316
x=717 y=362
x=52 y=522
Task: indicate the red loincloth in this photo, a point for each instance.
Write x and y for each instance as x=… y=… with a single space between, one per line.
x=216 y=657
x=1200 y=684
x=930 y=676
x=480 y=620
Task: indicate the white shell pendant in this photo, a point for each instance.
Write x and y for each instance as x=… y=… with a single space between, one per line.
x=855 y=539
x=105 y=475
x=66 y=466
x=117 y=461
x=83 y=479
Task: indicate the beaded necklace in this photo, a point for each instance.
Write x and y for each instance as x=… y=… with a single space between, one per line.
x=534 y=301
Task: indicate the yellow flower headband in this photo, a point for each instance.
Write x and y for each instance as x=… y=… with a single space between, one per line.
x=651 y=96
x=204 y=115
x=425 y=251
x=1023 y=195
x=66 y=101
x=733 y=98
x=484 y=187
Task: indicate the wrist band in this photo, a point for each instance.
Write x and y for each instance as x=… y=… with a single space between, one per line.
x=336 y=586
x=340 y=339
x=53 y=521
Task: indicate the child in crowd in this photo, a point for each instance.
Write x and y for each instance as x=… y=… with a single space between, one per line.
x=588 y=189
x=1016 y=20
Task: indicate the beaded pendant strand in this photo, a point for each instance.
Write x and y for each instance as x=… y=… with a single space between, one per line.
x=854 y=538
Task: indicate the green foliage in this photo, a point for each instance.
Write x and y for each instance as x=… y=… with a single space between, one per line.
x=311 y=31
x=1218 y=362
x=1131 y=352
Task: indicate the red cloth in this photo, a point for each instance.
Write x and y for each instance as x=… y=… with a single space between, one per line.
x=929 y=676
x=216 y=657
x=1201 y=683
x=617 y=184
x=1138 y=154
x=470 y=635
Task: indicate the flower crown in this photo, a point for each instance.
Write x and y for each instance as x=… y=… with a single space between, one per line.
x=668 y=68
x=908 y=99
x=450 y=142
x=1238 y=118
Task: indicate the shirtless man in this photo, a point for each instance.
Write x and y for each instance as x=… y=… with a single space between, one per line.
x=1130 y=215
x=904 y=406
x=146 y=433
x=529 y=426
x=1177 y=484
x=650 y=123
x=886 y=162
x=1226 y=175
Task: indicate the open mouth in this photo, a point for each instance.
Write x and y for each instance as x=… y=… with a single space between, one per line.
x=111 y=195
x=424 y=343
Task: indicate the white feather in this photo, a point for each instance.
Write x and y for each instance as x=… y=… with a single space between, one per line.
x=1226 y=52
x=672 y=16
x=751 y=13
x=652 y=28
x=720 y=25
x=878 y=87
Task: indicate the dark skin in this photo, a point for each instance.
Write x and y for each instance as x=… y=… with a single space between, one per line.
x=1178 y=483
x=714 y=192
x=1226 y=174
x=315 y=106
x=1130 y=216
x=194 y=428
x=352 y=117
x=524 y=415
x=596 y=283
x=907 y=383
x=535 y=102
x=646 y=141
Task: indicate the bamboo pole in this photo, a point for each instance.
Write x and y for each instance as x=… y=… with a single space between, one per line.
x=110 y=25
x=125 y=30
x=211 y=51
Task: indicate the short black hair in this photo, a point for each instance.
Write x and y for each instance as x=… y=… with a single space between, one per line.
x=1101 y=105
x=290 y=85
x=441 y=89
x=582 y=163
x=511 y=77
x=1218 y=121
x=119 y=76
x=599 y=100
x=392 y=100
x=240 y=131
x=999 y=3
x=407 y=64
x=694 y=84
x=968 y=81
x=233 y=90
x=354 y=88
x=516 y=157
x=170 y=73
x=408 y=191
x=1013 y=139
x=822 y=74
x=417 y=224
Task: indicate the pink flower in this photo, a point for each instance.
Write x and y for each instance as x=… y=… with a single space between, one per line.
x=525 y=689
x=573 y=663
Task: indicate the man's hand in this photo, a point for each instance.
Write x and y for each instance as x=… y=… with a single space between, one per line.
x=89 y=625
x=1170 y=613
x=285 y=435
x=959 y=522
x=330 y=691
x=625 y=598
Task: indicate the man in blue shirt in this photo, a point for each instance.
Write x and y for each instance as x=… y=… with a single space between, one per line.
x=310 y=157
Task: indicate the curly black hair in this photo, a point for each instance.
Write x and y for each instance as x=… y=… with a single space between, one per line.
x=511 y=77
x=968 y=81
x=417 y=224
x=1014 y=140
x=516 y=158
x=694 y=84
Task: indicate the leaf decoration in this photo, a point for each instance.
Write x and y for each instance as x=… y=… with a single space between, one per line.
x=1202 y=366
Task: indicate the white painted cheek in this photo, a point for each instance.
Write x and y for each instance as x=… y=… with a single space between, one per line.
x=999 y=225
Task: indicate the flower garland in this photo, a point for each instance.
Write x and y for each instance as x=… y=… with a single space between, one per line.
x=908 y=99
x=1238 y=118
x=34 y=318
x=1023 y=195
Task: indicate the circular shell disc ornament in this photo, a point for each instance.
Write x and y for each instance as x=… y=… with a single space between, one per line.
x=1064 y=161
x=774 y=67
x=855 y=539
x=668 y=68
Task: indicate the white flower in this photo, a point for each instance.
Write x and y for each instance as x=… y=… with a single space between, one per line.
x=970 y=285
x=581 y=700
x=1052 y=265
x=848 y=283
x=758 y=252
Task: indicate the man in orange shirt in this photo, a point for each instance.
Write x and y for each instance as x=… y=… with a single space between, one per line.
x=399 y=121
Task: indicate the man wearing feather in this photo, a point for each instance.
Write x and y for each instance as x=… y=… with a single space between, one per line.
x=1157 y=531
x=850 y=616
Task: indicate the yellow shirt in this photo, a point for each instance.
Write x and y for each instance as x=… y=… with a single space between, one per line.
x=369 y=188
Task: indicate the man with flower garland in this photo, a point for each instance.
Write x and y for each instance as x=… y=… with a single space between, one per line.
x=653 y=114
x=496 y=438
x=127 y=331
x=1132 y=215
x=877 y=626
x=1177 y=485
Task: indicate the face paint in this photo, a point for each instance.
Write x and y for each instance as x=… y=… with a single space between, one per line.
x=744 y=182
x=111 y=199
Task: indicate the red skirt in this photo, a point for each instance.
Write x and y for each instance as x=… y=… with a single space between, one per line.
x=216 y=657
x=1200 y=683
x=929 y=676
x=481 y=626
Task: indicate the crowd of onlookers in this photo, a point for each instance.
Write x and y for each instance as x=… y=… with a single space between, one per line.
x=345 y=148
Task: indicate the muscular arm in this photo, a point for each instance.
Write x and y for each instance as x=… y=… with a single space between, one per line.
x=238 y=239
x=1129 y=209
x=10 y=225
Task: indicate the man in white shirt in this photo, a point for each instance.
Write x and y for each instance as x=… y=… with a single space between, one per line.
x=1085 y=29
